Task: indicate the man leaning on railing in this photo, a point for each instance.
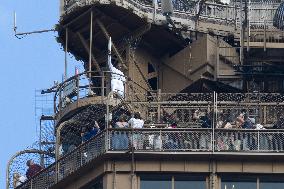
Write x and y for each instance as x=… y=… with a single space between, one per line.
x=33 y=169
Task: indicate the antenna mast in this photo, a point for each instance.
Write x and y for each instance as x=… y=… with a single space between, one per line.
x=23 y=34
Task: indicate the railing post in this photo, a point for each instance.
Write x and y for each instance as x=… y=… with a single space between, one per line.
x=214 y=120
x=264 y=36
x=107 y=141
x=258 y=140
x=78 y=88
x=103 y=86
x=159 y=105
x=235 y=16
x=160 y=139
x=227 y=14
x=66 y=51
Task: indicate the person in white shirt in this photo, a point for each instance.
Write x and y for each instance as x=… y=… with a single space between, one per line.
x=136 y=122
x=18 y=179
x=117 y=76
x=117 y=80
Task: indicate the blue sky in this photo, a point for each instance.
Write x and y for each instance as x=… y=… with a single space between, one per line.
x=27 y=64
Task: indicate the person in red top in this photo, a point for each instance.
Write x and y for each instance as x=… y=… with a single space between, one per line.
x=33 y=169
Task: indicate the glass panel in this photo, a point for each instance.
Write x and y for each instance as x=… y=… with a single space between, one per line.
x=155 y=182
x=239 y=182
x=271 y=182
x=190 y=182
x=238 y=185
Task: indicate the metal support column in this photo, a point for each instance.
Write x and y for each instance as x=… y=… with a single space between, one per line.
x=91 y=43
x=66 y=51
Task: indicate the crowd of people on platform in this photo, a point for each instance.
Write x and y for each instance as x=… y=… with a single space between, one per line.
x=121 y=139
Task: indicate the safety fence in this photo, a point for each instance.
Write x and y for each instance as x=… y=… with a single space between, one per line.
x=174 y=122
x=260 y=14
x=159 y=140
x=92 y=84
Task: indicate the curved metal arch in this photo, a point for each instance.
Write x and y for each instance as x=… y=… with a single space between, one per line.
x=31 y=151
x=278 y=20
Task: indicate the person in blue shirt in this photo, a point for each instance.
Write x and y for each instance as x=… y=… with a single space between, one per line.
x=87 y=135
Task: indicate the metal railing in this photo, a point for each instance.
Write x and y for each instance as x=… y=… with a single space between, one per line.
x=80 y=156
x=159 y=140
x=161 y=110
x=267 y=36
x=211 y=12
x=89 y=84
x=68 y=164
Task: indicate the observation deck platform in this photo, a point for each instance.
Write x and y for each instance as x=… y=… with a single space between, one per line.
x=163 y=145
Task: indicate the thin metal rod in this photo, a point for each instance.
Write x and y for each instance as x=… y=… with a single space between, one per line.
x=66 y=51
x=57 y=146
x=242 y=34
x=90 y=51
x=264 y=43
x=33 y=32
x=248 y=25
x=91 y=41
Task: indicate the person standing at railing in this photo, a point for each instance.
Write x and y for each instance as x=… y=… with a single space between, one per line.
x=277 y=143
x=136 y=122
x=33 y=169
x=87 y=135
x=91 y=147
x=204 y=140
x=18 y=179
x=120 y=138
x=117 y=76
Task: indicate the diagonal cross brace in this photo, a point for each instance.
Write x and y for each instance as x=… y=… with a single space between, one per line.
x=105 y=32
x=88 y=50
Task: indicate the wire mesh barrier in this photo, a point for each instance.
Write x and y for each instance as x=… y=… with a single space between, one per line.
x=260 y=14
x=67 y=164
x=43 y=179
x=80 y=156
x=17 y=167
x=92 y=84
x=160 y=140
x=168 y=108
x=262 y=109
x=197 y=122
x=45 y=123
x=87 y=84
x=249 y=140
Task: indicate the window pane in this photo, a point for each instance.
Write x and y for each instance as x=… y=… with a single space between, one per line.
x=238 y=182
x=238 y=185
x=271 y=182
x=155 y=182
x=190 y=182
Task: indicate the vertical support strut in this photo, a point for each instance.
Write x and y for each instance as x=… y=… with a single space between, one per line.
x=91 y=43
x=242 y=34
x=90 y=52
x=107 y=35
x=66 y=51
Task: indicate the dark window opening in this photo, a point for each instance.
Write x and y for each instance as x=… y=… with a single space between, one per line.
x=96 y=184
x=153 y=83
x=167 y=181
x=151 y=69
